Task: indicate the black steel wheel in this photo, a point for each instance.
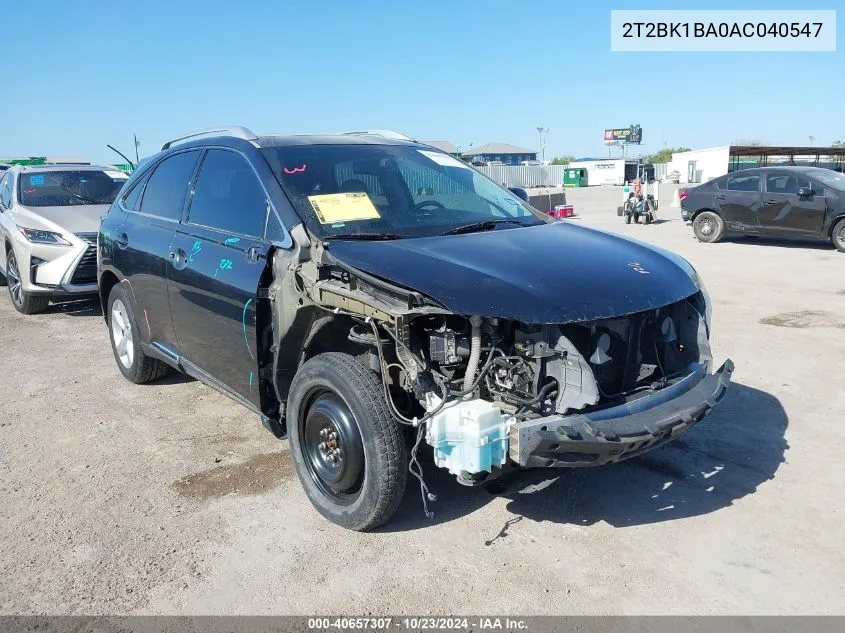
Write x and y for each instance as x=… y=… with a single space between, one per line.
x=332 y=445
x=349 y=453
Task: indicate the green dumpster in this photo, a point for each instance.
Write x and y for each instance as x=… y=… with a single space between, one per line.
x=575 y=177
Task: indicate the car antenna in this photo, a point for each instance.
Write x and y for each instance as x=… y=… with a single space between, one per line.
x=117 y=151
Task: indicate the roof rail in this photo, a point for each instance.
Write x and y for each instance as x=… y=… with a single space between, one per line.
x=235 y=131
x=396 y=136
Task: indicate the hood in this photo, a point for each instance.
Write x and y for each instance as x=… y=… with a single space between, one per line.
x=552 y=273
x=81 y=218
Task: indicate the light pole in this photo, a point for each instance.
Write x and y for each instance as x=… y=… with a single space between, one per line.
x=541 y=144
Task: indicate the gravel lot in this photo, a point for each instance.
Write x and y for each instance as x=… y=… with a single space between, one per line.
x=170 y=498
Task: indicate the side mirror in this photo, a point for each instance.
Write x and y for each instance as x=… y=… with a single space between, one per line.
x=519 y=192
x=804 y=192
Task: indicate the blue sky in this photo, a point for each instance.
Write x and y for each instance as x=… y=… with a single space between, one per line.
x=79 y=75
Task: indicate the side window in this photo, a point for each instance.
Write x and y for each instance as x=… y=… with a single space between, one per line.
x=744 y=182
x=275 y=232
x=166 y=189
x=6 y=190
x=132 y=200
x=781 y=183
x=228 y=195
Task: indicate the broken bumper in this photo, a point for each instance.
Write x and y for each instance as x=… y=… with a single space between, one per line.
x=617 y=433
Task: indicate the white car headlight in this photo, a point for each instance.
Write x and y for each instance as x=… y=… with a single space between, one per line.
x=37 y=236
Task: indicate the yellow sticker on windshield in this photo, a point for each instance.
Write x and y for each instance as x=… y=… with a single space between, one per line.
x=343 y=207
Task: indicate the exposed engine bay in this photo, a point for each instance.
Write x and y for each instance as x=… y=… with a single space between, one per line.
x=463 y=381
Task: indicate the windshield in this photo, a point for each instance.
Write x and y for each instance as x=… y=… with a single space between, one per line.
x=392 y=191
x=832 y=179
x=69 y=188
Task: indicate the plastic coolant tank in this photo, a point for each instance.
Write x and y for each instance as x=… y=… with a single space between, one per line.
x=469 y=436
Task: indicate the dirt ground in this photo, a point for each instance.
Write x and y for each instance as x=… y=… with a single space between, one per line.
x=170 y=498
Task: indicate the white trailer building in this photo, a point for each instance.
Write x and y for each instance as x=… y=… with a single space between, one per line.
x=701 y=165
x=611 y=171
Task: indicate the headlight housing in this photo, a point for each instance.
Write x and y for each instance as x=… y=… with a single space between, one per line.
x=38 y=236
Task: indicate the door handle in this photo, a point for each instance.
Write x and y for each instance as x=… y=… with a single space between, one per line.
x=254 y=253
x=722 y=197
x=769 y=202
x=122 y=240
x=178 y=258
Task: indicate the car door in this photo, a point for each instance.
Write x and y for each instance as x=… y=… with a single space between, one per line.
x=783 y=211
x=739 y=201
x=141 y=245
x=217 y=258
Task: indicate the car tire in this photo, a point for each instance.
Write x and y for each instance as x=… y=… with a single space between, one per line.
x=336 y=403
x=838 y=235
x=708 y=227
x=125 y=339
x=23 y=301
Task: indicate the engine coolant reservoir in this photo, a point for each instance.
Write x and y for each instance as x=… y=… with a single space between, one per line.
x=468 y=435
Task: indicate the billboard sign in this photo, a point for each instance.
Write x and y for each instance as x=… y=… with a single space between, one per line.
x=618 y=136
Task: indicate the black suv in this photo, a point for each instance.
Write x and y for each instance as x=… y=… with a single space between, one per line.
x=799 y=202
x=365 y=293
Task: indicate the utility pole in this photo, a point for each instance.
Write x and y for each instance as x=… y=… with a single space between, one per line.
x=812 y=140
x=137 y=143
x=541 y=143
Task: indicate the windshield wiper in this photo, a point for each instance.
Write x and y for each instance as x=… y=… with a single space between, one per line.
x=486 y=225
x=365 y=236
x=78 y=196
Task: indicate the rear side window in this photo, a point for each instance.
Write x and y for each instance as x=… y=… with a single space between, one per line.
x=132 y=200
x=744 y=182
x=166 y=189
x=228 y=195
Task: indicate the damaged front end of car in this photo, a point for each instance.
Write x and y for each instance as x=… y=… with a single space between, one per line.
x=490 y=393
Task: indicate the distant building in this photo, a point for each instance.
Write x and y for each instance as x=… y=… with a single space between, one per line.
x=500 y=153
x=444 y=146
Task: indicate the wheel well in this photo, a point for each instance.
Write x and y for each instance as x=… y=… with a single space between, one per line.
x=330 y=334
x=108 y=280
x=833 y=225
x=700 y=211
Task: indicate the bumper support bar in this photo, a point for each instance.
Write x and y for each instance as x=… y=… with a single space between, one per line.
x=611 y=435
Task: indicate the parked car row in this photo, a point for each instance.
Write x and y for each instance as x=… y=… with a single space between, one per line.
x=792 y=202
x=365 y=294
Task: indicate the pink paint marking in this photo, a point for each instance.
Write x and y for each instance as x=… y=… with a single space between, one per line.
x=295 y=170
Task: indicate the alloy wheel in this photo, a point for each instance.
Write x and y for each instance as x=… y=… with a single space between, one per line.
x=121 y=331
x=13 y=276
